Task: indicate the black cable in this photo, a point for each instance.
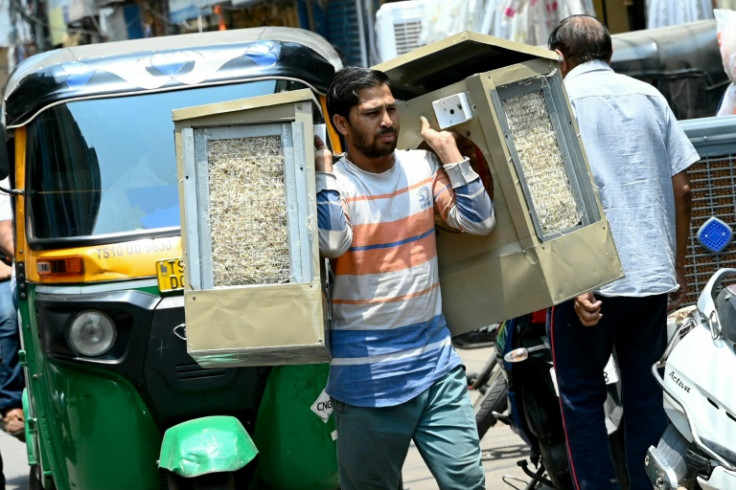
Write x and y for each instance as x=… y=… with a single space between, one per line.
x=14 y=192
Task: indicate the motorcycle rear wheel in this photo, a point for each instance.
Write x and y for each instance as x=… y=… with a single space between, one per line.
x=493 y=400
x=480 y=380
x=541 y=410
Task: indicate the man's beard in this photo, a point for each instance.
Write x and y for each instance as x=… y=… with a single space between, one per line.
x=377 y=149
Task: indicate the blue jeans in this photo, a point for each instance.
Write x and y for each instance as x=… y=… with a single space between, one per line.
x=636 y=327
x=372 y=443
x=11 y=376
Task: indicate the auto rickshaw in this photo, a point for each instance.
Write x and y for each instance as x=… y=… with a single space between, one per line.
x=97 y=219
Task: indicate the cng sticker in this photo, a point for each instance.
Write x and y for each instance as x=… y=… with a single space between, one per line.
x=322 y=406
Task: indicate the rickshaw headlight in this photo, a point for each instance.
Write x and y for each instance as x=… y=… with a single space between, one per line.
x=92 y=333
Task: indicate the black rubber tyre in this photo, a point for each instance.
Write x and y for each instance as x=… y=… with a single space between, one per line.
x=554 y=459
x=481 y=379
x=493 y=400
x=212 y=481
x=616 y=442
x=542 y=414
x=34 y=479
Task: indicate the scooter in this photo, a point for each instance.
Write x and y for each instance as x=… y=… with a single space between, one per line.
x=697 y=448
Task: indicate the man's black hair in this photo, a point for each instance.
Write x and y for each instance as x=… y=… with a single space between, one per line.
x=342 y=93
x=581 y=38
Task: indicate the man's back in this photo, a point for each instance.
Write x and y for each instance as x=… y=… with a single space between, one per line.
x=634 y=147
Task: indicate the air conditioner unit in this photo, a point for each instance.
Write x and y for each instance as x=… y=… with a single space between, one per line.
x=398 y=27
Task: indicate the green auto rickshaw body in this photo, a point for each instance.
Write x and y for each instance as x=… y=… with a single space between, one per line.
x=93 y=162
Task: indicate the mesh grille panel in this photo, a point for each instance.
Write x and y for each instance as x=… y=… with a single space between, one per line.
x=248 y=211
x=541 y=160
x=407 y=36
x=712 y=181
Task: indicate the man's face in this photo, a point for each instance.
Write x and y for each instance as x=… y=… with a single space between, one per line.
x=373 y=125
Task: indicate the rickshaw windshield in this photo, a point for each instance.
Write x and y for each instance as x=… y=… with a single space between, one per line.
x=108 y=166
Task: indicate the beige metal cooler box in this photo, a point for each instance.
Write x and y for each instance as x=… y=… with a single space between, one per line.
x=249 y=228
x=508 y=103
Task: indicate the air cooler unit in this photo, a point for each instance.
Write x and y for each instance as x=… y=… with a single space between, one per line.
x=398 y=27
x=254 y=294
x=507 y=103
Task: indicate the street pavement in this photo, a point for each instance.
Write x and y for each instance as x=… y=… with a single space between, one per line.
x=15 y=462
x=501 y=447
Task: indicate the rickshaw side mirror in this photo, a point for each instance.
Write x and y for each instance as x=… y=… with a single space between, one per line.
x=4 y=158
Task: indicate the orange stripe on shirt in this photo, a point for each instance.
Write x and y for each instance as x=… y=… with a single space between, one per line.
x=385 y=300
x=391 y=259
x=394 y=231
x=444 y=198
x=386 y=196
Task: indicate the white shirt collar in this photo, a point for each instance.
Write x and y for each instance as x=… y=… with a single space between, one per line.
x=587 y=67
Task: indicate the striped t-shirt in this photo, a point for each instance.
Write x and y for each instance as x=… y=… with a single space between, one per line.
x=390 y=340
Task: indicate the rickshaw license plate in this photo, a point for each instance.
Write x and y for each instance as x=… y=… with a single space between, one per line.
x=170 y=273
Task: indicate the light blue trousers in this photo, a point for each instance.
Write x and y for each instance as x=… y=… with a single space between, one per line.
x=372 y=443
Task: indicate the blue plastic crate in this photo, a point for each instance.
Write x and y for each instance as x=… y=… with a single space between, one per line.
x=714 y=234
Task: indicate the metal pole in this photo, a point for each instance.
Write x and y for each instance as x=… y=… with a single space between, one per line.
x=361 y=33
x=38 y=12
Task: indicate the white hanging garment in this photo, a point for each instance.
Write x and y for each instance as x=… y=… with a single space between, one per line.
x=492 y=11
x=532 y=21
x=526 y=21
x=443 y=18
x=662 y=13
x=726 y=33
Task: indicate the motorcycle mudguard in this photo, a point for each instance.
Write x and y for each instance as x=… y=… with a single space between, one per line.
x=720 y=478
x=206 y=445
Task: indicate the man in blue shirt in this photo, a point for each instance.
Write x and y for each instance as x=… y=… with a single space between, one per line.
x=638 y=155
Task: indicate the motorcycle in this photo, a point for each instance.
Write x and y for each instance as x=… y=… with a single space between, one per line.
x=696 y=449
x=523 y=370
